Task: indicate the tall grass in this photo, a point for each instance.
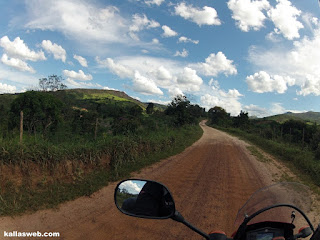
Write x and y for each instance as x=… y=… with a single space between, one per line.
x=54 y=173
x=302 y=159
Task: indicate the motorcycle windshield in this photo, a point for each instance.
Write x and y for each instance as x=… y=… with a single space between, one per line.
x=295 y=194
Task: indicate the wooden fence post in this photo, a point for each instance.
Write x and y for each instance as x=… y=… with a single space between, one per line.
x=21 y=126
x=96 y=129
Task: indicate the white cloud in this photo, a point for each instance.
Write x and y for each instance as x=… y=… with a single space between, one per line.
x=163 y=102
x=57 y=51
x=82 y=21
x=83 y=62
x=18 y=49
x=186 y=40
x=284 y=17
x=277 y=108
x=108 y=88
x=16 y=63
x=168 y=32
x=189 y=80
x=116 y=68
x=204 y=16
x=248 y=14
x=222 y=99
x=139 y=23
x=183 y=53
x=255 y=110
x=216 y=64
x=145 y=85
x=161 y=70
x=77 y=75
x=155 y=41
x=173 y=92
x=299 y=63
x=73 y=83
x=262 y=82
x=155 y=2
x=163 y=74
x=5 y=88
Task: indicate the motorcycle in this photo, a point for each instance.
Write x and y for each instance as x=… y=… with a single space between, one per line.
x=270 y=213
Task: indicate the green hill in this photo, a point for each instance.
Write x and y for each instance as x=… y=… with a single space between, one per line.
x=79 y=97
x=306 y=117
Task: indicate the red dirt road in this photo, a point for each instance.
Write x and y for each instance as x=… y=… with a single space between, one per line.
x=210 y=181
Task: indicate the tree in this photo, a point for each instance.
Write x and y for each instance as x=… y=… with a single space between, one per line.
x=241 y=120
x=178 y=109
x=41 y=111
x=150 y=108
x=52 y=83
x=219 y=116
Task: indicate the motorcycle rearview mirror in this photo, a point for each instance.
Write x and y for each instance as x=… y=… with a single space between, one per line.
x=144 y=199
x=148 y=199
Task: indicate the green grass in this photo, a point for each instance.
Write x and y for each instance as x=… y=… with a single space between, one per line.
x=103 y=96
x=255 y=152
x=301 y=161
x=127 y=154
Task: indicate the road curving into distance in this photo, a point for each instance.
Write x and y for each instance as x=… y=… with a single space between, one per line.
x=209 y=181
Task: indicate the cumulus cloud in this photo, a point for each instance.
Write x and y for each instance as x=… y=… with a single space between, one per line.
x=255 y=110
x=262 y=82
x=163 y=74
x=16 y=63
x=216 y=64
x=183 y=53
x=140 y=22
x=186 y=40
x=18 y=49
x=155 y=41
x=116 y=68
x=222 y=99
x=77 y=75
x=204 y=16
x=299 y=63
x=145 y=85
x=277 y=108
x=108 y=88
x=154 y=2
x=189 y=80
x=248 y=13
x=168 y=32
x=5 y=88
x=17 y=78
x=83 y=62
x=82 y=21
x=55 y=49
x=81 y=84
x=173 y=92
x=284 y=17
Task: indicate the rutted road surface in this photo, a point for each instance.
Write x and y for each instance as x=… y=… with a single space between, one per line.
x=210 y=181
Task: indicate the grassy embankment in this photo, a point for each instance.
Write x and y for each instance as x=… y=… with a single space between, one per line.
x=300 y=160
x=46 y=170
x=45 y=175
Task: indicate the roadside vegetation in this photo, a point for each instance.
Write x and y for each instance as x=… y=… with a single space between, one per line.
x=295 y=142
x=58 y=145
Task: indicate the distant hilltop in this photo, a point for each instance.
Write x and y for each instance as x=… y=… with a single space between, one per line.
x=312 y=117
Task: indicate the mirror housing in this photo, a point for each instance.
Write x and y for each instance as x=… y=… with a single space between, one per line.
x=144 y=199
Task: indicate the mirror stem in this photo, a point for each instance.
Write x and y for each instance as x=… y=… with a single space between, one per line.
x=179 y=218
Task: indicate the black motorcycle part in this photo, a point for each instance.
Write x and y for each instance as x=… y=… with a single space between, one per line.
x=218 y=236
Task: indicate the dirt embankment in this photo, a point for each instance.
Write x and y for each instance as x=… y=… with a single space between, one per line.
x=210 y=181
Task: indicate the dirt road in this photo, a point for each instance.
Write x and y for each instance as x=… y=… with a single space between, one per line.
x=210 y=181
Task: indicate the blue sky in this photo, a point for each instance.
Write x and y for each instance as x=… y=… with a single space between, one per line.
x=259 y=56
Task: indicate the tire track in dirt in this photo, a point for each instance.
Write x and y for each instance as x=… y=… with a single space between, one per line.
x=210 y=181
